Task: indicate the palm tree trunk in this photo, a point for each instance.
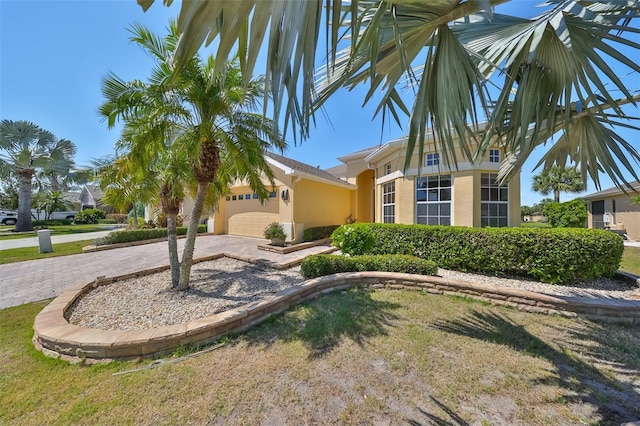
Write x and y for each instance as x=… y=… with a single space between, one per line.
x=190 y=241
x=172 y=237
x=24 y=223
x=556 y=195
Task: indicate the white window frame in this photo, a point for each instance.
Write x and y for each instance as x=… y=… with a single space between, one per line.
x=389 y=201
x=496 y=195
x=387 y=169
x=432 y=159
x=438 y=202
x=494 y=155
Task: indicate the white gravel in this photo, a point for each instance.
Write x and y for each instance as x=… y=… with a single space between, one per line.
x=222 y=284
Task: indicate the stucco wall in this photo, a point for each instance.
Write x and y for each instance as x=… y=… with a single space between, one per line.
x=318 y=204
x=364 y=199
x=466 y=196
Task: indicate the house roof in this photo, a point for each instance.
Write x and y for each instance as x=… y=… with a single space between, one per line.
x=95 y=191
x=338 y=171
x=294 y=167
x=613 y=191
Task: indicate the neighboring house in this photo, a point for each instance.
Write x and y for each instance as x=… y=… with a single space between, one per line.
x=91 y=198
x=370 y=186
x=612 y=209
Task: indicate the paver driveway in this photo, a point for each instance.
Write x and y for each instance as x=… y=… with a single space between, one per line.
x=25 y=282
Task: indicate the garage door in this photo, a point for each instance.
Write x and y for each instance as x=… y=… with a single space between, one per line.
x=249 y=218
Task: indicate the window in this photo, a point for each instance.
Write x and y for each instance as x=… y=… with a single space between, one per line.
x=433 y=200
x=247 y=196
x=389 y=202
x=255 y=196
x=272 y=194
x=433 y=159
x=228 y=198
x=494 y=155
x=241 y=197
x=494 y=204
x=387 y=169
x=234 y=197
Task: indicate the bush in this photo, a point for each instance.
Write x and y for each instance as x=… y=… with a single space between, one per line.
x=353 y=239
x=118 y=217
x=318 y=233
x=107 y=221
x=90 y=216
x=274 y=230
x=325 y=264
x=572 y=214
x=130 y=235
x=161 y=220
x=553 y=255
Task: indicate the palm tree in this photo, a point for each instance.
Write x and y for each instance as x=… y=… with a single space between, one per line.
x=23 y=148
x=60 y=172
x=555 y=74
x=556 y=179
x=207 y=115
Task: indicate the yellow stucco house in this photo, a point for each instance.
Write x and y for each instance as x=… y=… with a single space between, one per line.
x=370 y=186
x=612 y=209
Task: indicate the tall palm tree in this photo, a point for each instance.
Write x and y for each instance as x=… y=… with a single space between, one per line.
x=558 y=179
x=208 y=115
x=555 y=74
x=23 y=150
x=60 y=173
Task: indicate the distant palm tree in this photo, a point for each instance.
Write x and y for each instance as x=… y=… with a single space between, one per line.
x=23 y=151
x=635 y=199
x=207 y=115
x=558 y=73
x=60 y=173
x=558 y=179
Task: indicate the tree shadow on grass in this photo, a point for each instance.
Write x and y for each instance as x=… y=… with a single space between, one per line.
x=324 y=323
x=456 y=420
x=616 y=401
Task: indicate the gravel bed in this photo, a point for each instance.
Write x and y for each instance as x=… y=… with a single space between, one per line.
x=222 y=284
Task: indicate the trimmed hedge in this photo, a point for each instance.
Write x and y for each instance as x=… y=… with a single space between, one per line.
x=318 y=233
x=130 y=235
x=90 y=216
x=552 y=255
x=325 y=264
x=57 y=222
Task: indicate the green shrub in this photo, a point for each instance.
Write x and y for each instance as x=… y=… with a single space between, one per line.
x=318 y=232
x=553 y=255
x=130 y=235
x=325 y=264
x=107 y=221
x=161 y=220
x=118 y=217
x=90 y=216
x=353 y=239
x=572 y=214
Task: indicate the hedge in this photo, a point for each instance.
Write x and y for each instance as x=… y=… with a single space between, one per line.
x=552 y=255
x=325 y=264
x=56 y=222
x=318 y=232
x=89 y=216
x=129 y=235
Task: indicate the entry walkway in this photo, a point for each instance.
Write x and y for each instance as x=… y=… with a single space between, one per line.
x=25 y=282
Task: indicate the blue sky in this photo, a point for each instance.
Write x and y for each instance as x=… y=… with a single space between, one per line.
x=53 y=55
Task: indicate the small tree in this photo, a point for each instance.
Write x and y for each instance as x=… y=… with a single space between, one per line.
x=571 y=214
x=558 y=179
x=54 y=201
x=635 y=200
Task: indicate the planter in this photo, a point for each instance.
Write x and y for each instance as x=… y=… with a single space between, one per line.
x=277 y=242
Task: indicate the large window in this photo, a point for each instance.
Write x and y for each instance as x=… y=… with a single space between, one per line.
x=433 y=200
x=389 y=202
x=494 y=205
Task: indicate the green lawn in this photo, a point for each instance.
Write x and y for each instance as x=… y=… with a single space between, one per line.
x=534 y=225
x=31 y=253
x=354 y=357
x=56 y=230
x=631 y=260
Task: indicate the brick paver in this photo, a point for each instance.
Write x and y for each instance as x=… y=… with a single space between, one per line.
x=25 y=282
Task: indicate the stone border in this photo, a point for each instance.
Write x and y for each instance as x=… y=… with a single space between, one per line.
x=294 y=247
x=54 y=336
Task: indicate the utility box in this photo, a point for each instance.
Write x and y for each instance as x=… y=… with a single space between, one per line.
x=44 y=241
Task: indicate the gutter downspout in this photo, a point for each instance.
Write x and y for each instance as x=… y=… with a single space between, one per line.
x=293 y=223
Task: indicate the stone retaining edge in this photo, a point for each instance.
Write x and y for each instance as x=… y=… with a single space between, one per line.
x=56 y=337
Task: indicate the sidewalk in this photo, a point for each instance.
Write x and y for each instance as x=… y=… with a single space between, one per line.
x=34 y=280
x=55 y=239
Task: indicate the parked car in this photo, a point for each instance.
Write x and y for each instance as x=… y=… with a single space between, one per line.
x=42 y=215
x=8 y=217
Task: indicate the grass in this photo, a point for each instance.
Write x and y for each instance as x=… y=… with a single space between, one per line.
x=354 y=357
x=31 y=253
x=55 y=230
x=631 y=260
